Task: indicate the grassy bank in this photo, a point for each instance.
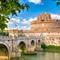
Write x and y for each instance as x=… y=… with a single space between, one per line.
x=50 y=48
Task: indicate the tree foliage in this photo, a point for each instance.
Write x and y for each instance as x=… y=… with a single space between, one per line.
x=11 y=6
x=3 y=21
x=8 y=7
x=43 y=46
x=58 y=3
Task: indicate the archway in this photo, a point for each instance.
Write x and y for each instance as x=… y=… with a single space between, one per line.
x=32 y=42
x=4 y=54
x=38 y=42
x=22 y=46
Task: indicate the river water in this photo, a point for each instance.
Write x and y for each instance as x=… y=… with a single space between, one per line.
x=43 y=56
x=40 y=56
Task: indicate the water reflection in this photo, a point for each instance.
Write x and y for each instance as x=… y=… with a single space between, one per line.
x=3 y=57
x=44 y=56
x=39 y=56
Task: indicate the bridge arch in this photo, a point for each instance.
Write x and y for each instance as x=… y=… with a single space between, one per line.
x=6 y=47
x=32 y=42
x=22 y=46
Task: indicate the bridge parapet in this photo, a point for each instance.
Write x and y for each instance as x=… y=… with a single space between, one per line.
x=12 y=43
x=30 y=37
x=5 y=38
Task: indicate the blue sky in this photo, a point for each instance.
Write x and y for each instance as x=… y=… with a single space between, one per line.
x=36 y=7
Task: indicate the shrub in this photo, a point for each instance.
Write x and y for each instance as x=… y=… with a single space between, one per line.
x=43 y=46
x=4 y=33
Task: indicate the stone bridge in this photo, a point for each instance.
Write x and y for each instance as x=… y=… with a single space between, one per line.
x=13 y=43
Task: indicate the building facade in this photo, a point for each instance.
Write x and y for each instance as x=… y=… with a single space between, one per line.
x=48 y=27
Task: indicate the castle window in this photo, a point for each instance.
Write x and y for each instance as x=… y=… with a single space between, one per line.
x=42 y=20
x=32 y=42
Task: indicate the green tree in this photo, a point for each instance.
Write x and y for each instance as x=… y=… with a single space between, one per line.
x=11 y=6
x=43 y=46
x=3 y=21
x=58 y=3
x=8 y=7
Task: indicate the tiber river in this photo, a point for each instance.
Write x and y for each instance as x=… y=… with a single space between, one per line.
x=40 y=56
x=43 y=56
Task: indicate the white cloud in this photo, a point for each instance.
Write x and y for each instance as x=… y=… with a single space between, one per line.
x=21 y=24
x=35 y=1
x=24 y=27
x=27 y=22
x=24 y=21
x=32 y=19
x=55 y=16
x=13 y=21
x=16 y=20
x=10 y=22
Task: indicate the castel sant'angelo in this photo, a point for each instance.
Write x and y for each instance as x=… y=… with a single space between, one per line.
x=48 y=27
x=45 y=27
x=45 y=24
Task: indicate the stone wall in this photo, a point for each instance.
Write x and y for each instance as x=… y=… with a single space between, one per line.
x=52 y=39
